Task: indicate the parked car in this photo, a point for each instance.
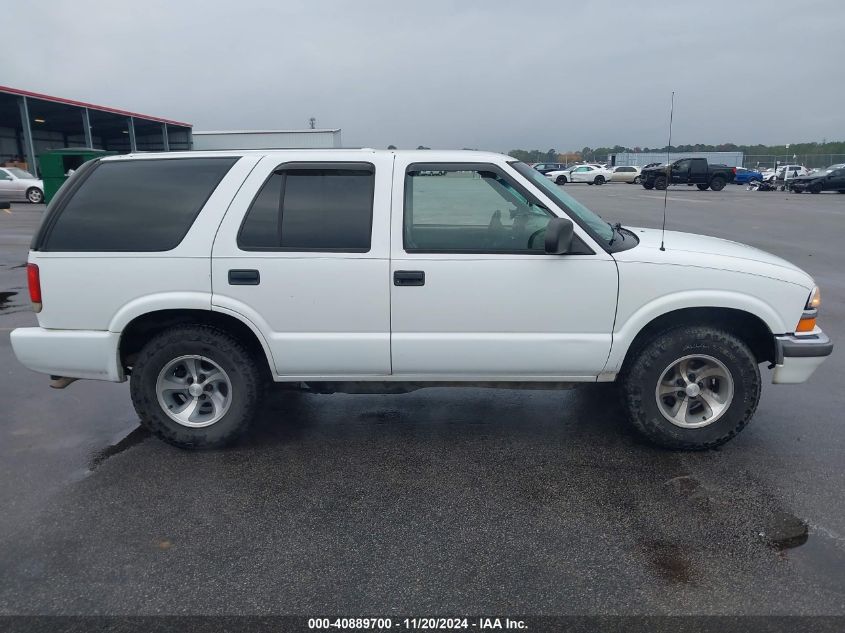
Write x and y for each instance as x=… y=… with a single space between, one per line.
x=348 y=271
x=628 y=174
x=591 y=174
x=830 y=179
x=688 y=171
x=785 y=172
x=17 y=184
x=545 y=168
x=744 y=176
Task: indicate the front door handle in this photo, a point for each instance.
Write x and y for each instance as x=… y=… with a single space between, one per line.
x=244 y=278
x=408 y=278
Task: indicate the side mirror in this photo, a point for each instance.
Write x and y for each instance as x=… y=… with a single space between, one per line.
x=558 y=236
x=5 y=205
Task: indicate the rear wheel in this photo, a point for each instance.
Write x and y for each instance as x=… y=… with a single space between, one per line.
x=660 y=183
x=195 y=386
x=692 y=388
x=718 y=183
x=702 y=187
x=560 y=180
x=35 y=195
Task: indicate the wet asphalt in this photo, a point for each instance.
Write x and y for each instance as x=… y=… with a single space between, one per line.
x=443 y=501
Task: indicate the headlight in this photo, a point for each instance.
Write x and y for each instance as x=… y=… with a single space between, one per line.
x=815 y=299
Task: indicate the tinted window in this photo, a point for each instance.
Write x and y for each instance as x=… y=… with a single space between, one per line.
x=470 y=211
x=313 y=209
x=136 y=205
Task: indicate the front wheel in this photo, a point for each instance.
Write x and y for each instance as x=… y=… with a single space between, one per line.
x=637 y=180
x=692 y=388
x=702 y=187
x=660 y=183
x=35 y=195
x=560 y=180
x=599 y=180
x=648 y=184
x=195 y=386
x=815 y=188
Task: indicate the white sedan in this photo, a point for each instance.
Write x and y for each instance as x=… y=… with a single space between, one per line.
x=591 y=174
x=17 y=184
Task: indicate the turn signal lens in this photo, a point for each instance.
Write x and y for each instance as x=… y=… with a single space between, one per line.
x=33 y=278
x=806 y=325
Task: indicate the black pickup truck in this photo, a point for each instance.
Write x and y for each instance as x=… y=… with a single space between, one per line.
x=688 y=171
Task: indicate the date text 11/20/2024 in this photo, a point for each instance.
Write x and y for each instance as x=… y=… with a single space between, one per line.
x=380 y=624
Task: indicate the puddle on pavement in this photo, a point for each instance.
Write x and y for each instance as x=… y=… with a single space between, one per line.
x=785 y=531
x=6 y=299
x=135 y=437
x=669 y=560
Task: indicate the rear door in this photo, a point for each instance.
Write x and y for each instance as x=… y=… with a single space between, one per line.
x=303 y=254
x=8 y=190
x=698 y=170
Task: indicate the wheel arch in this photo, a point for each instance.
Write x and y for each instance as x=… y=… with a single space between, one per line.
x=749 y=327
x=144 y=326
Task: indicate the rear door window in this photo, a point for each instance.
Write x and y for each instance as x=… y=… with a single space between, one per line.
x=136 y=205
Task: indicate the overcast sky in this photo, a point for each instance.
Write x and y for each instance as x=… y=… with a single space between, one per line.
x=495 y=74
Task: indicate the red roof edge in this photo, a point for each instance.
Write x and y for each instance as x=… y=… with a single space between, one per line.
x=90 y=106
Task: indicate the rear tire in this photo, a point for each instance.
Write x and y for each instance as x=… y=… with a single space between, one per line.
x=180 y=361
x=718 y=183
x=702 y=187
x=727 y=394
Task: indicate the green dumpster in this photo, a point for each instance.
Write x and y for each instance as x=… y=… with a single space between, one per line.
x=57 y=164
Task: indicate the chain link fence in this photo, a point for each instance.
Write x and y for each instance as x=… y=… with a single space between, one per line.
x=764 y=161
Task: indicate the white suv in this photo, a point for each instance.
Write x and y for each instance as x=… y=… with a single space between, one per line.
x=203 y=276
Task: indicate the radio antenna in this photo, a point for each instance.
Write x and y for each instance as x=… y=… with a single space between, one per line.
x=668 y=173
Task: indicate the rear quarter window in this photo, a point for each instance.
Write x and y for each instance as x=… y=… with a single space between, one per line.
x=135 y=205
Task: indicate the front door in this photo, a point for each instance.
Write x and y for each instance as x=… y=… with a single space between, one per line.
x=475 y=297
x=306 y=260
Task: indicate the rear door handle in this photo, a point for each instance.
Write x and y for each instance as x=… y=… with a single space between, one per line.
x=408 y=278
x=244 y=278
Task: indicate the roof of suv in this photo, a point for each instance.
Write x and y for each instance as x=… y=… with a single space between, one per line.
x=425 y=155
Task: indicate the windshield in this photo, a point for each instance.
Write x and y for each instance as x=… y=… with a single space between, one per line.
x=566 y=202
x=19 y=173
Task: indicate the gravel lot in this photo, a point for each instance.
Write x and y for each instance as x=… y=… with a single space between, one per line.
x=441 y=501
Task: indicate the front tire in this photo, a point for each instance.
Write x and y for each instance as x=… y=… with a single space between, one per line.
x=637 y=180
x=648 y=184
x=660 y=183
x=35 y=195
x=692 y=388
x=599 y=180
x=815 y=188
x=702 y=187
x=195 y=386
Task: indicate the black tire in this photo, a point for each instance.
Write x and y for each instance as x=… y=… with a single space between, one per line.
x=648 y=184
x=599 y=180
x=560 y=180
x=35 y=195
x=841 y=191
x=815 y=188
x=717 y=183
x=242 y=369
x=660 y=183
x=641 y=377
x=702 y=187
x=591 y=183
x=637 y=180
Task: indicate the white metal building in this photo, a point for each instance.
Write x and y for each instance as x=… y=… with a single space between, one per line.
x=639 y=159
x=267 y=139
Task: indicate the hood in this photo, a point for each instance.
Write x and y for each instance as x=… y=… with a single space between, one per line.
x=809 y=177
x=712 y=252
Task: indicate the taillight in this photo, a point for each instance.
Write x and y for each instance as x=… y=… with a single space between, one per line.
x=33 y=279
x=734 y=171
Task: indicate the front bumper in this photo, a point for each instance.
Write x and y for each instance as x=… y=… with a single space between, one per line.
x=69 y=353
x=797 y=357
